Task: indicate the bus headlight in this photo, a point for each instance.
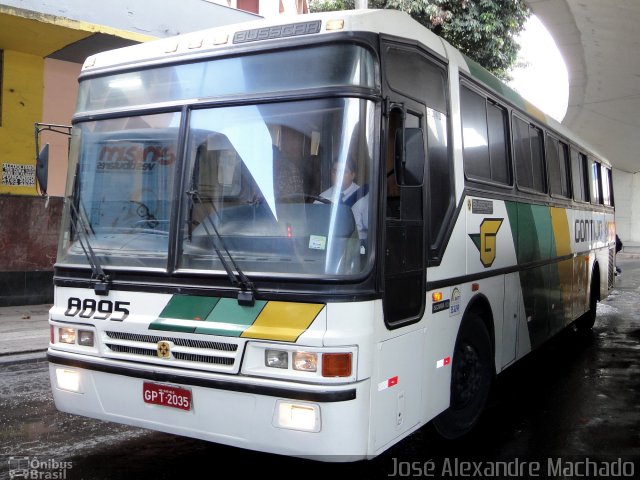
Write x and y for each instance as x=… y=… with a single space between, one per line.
x=276 y=358
x=85 y=338
x=309 y=364
x=305 y=361
x=74 y=336
x=67 y=335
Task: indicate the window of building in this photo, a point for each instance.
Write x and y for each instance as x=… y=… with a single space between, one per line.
x=558 y=166
x=484 y=135
x=527 y=141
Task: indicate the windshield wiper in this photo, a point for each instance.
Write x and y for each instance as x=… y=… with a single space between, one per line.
x=103 y=280
x=246 y=294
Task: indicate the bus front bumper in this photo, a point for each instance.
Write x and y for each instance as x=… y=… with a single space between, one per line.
x=321 y=422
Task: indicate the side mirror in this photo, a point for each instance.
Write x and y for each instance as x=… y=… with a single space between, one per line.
x=409 y=157
x=42 y=168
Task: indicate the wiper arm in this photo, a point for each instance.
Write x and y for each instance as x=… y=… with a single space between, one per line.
x=246 y=295
x=102 y=285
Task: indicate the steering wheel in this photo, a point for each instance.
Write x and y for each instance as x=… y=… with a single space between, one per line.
x=143 y=211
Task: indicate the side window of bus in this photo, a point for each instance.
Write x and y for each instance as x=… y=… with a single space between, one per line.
x=527 y=140
x=579 y=175
x=404 y=227
x=484 y=136
x=558 y=167
x=595 y=181
x=607 y=198
x=402 y=203
x=415 y=74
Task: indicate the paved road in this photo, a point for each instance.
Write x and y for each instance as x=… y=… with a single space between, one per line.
x=24 y=329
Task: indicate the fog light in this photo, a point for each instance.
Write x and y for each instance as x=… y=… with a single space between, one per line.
x=68 y=380
x=307 y=362
x=298 y=416
x=85 y=338
x=67 y=335
x=276 y=358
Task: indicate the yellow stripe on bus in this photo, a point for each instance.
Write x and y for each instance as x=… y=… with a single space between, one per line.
x=565 y=267
x=561 y=231
x=284 y=321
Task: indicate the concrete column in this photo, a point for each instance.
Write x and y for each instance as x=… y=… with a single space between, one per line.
x=626 y=190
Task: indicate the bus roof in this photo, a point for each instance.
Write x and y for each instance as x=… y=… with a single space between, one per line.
x=204 y=43
x=239 y=36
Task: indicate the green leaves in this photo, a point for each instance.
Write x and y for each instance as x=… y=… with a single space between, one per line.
x=484 y=30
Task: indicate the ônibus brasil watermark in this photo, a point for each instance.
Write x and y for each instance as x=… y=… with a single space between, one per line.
x=515 y=468
x=38 y=468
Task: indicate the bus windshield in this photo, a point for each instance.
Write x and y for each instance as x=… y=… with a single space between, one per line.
x=263 y=178
x=121 y=175
x=258 y=186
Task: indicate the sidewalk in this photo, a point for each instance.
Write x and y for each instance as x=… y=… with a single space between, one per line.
x=24 y=330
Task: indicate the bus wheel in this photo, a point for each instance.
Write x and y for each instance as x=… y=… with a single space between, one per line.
x=471 y=377
x=585 y=322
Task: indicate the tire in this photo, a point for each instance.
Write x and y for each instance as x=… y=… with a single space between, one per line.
x=471 y=377
x=585 y=322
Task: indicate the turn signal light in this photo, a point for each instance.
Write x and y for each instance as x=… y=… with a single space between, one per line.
x=336 y=364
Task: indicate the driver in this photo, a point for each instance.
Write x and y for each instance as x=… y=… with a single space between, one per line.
x=351 y=194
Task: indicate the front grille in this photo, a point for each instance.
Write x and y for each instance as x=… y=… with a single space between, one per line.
x=183 y=342
x=191 y=357
x=185 y=352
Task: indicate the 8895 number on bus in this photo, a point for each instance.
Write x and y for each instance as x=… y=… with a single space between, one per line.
x=97 y=309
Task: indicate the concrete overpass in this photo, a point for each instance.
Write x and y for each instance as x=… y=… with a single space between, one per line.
x=600 y=43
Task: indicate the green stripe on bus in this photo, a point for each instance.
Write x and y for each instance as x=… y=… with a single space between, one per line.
x=539 y=234
x=181 y=311
x=532 y=231
x=229 y=318
x=189 y=307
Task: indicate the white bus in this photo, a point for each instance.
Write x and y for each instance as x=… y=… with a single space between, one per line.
x=212 y=282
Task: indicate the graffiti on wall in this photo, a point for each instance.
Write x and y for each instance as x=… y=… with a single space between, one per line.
x=18 y=175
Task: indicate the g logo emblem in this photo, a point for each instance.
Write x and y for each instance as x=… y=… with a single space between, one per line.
x=485 y=241
x=164 y=349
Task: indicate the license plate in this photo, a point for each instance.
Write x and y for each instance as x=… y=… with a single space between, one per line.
x=167 y=396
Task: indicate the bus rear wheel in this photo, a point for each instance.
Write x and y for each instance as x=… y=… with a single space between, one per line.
x=585 y=322
x=471 y=377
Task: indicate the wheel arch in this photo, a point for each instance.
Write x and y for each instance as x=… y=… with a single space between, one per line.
x=480 y=306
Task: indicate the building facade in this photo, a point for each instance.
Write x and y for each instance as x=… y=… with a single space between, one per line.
x=42 y=47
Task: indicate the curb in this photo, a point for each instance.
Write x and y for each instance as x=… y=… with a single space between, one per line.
x=24 y=357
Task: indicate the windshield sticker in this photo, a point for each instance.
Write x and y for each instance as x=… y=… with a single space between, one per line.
x=317 y=242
